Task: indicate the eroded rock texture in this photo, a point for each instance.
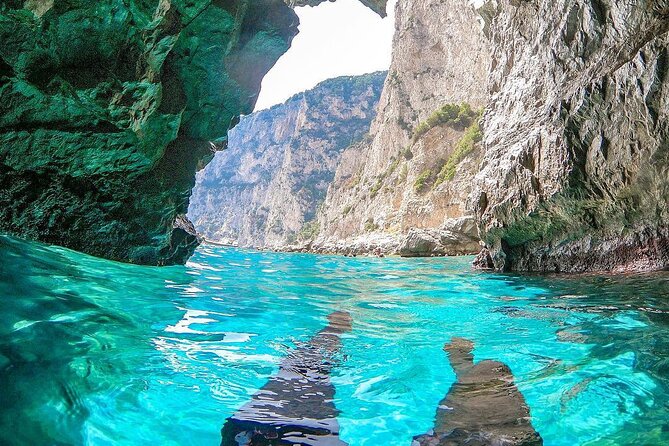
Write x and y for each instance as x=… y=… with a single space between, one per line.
x=107 y=109
x=388 y=195
x=576 y=171
x=265 y=189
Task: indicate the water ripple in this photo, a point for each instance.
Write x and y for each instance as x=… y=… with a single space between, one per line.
x=101 y=353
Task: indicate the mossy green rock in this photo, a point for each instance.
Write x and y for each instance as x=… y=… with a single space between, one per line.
x=108 y=108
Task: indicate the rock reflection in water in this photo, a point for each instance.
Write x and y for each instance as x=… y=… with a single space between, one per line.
x=483 y=408
x=296 y=406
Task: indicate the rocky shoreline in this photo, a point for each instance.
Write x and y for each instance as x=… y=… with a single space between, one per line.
x=455 y=239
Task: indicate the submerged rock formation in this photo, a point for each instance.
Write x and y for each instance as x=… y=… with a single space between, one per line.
x=482 y=407
x=108 y=108
x=405 y=190
x=265 y=189
x=575 y=175
x=296 y=406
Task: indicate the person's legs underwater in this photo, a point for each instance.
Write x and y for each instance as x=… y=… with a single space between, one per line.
x=296 y=406
x=483 y=407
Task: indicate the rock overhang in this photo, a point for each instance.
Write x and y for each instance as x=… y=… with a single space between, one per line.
x=378 y=6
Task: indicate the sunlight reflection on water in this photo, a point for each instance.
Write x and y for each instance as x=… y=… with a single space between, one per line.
x=96 y=352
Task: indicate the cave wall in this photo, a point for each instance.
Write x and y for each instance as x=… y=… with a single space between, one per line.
x=108 y=108
x=576 y=169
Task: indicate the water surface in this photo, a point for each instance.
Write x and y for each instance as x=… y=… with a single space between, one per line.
x=101 y=353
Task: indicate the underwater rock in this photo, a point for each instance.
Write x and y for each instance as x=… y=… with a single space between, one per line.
x=483 y=407
x=297 y=405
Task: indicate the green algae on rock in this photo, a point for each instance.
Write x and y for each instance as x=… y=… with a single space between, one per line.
x=107 y=110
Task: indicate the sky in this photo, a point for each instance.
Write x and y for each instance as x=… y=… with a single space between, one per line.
x=335 y=39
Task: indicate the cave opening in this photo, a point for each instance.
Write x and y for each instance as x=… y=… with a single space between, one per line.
x=342 y=38
x=340 y=56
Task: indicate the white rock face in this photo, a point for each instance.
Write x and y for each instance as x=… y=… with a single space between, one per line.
x=440 y=56
x=572 y=173
x=264 y=190
x=456 y=237
x=575 y=172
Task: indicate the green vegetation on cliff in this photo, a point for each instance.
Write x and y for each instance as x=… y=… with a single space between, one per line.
x=423 y=180
x=458 y=116
x=309 y=231
x=464 y=147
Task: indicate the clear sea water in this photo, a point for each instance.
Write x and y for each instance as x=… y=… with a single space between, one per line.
x=100 y=353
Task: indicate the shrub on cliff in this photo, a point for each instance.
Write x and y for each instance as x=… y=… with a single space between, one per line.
x=423 y=181
x=370 y=225
x=309 y=231
x=457 y=116
x=463 y=148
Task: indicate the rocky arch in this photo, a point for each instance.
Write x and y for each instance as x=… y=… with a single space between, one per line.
x=108 y=109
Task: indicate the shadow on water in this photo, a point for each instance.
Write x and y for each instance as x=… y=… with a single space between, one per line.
x=95 y=352
x=624 y=321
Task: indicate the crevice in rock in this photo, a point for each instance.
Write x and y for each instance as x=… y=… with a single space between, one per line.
x=104 y=127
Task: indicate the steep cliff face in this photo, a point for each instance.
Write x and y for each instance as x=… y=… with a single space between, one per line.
x=575 y=174
x=108 y=108
x=405 y=190
x=265 y=189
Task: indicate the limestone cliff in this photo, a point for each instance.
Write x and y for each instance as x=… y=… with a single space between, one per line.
x=107 y=108
x=573 y=172
x=575 y=175
x=406 y=189
x=265 y=189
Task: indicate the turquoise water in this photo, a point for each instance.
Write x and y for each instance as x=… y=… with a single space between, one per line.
x=101 y=353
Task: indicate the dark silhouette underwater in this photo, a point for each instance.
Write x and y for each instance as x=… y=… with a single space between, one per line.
x=296 y=406
x=482 y=408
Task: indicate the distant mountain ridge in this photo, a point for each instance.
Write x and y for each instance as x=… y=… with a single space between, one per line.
x=265 y=189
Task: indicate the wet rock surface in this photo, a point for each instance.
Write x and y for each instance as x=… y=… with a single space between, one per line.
x=482 y=408
x=296 y=406
x=575 y=175
x=107 y=109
